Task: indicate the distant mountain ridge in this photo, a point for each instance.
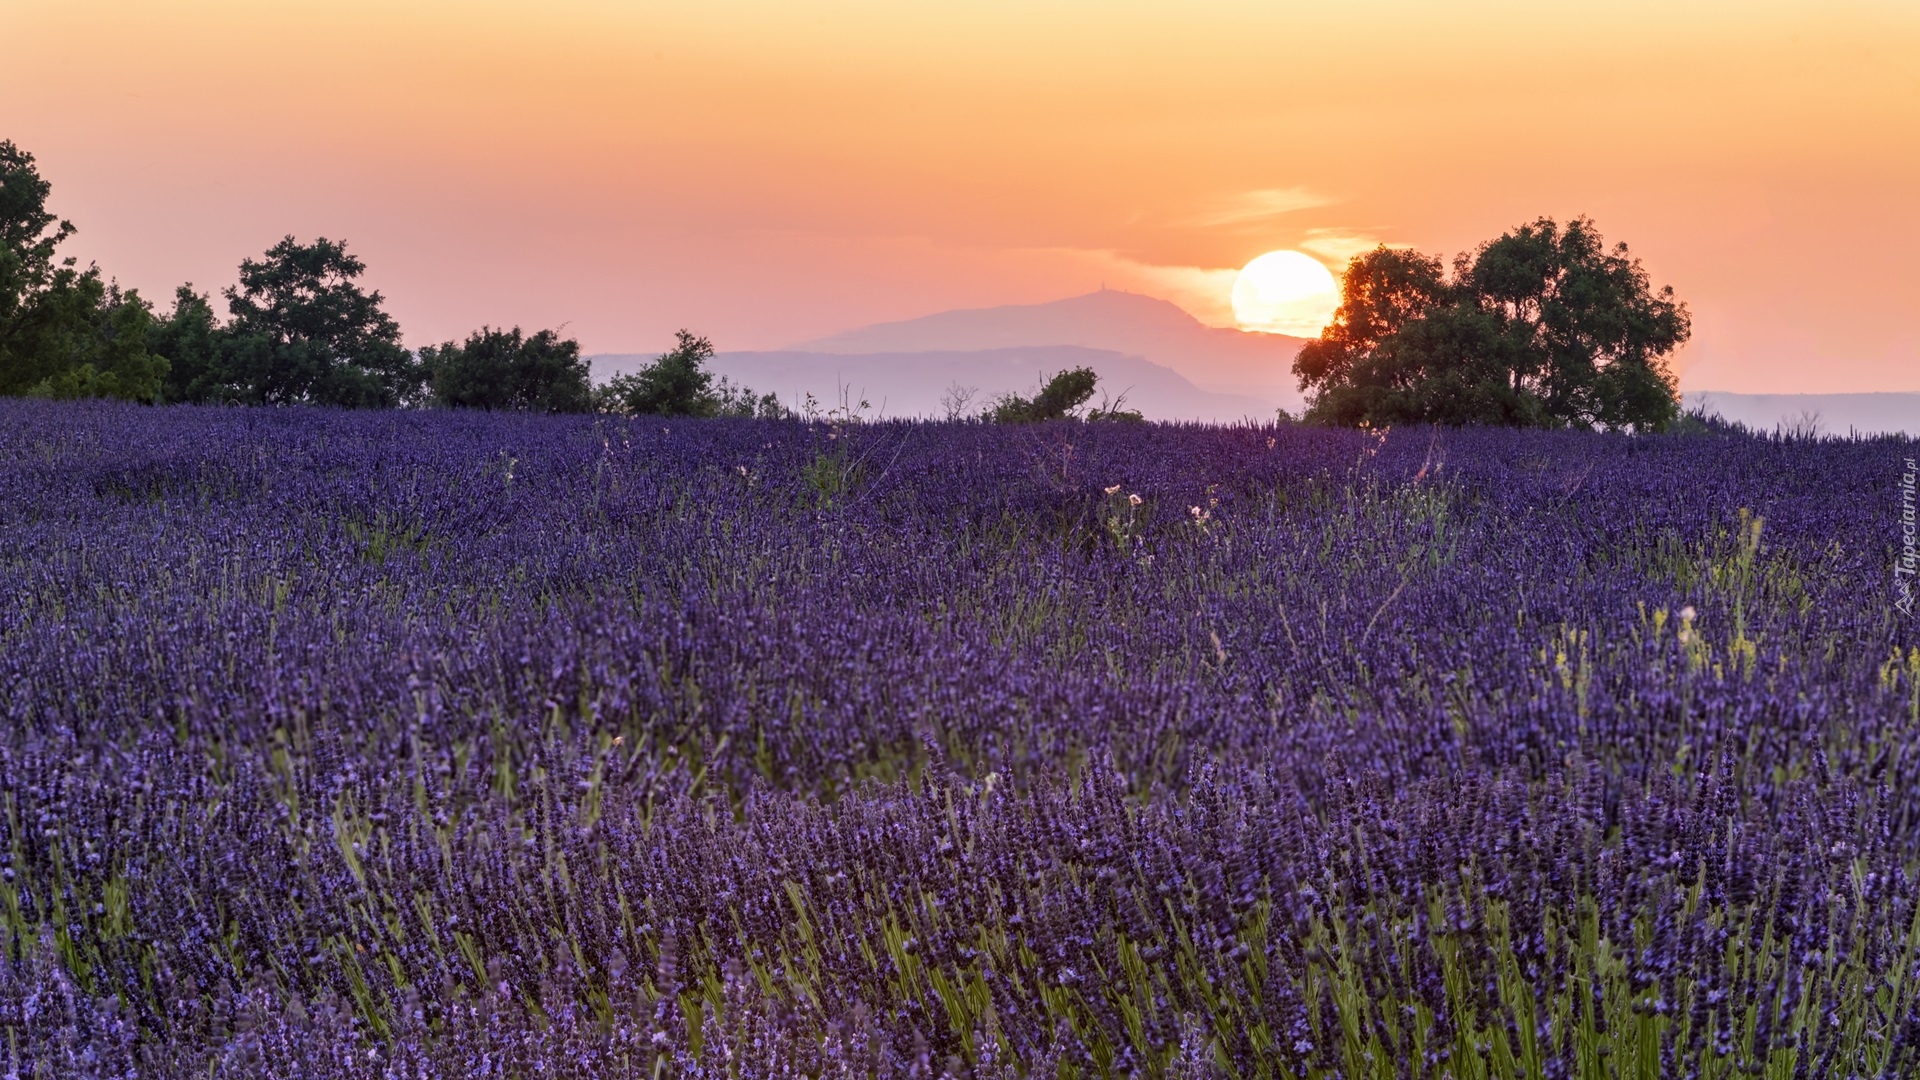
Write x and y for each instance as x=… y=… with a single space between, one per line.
x=1169 y=364
x=1830 y=414
x=912 y=384
x=1234 y=362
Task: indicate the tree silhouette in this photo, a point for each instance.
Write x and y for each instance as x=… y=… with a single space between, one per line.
x=1542 y=327
x=302 y=332
x=501 y=369
x=1060 y=398
x=64 y=331
x=678 y=384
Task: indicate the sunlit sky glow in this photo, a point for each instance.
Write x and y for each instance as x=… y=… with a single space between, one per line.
x=766 y=173
x=1284 y=292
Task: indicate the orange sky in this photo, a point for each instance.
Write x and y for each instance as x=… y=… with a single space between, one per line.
x=765 y=173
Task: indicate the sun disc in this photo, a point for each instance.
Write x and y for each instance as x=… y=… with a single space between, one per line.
x=1285 y=292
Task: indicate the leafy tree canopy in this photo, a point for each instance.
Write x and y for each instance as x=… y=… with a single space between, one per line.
x=1060 y=398
x=64 y=332
x=678 y=384
x=303 y=332
x=731 y=399
x=191 y=338
x=29 y=233
x=502 y=369
x=1543 y=327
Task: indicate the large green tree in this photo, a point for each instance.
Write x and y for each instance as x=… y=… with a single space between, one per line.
x=191 y=338
x=303 y=332
x=1059 y=398
x=64 y=331
x=1542 y=327
x=502 y=369
x=678 y=383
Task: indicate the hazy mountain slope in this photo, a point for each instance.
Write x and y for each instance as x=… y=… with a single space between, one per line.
x=1834 y=414
x=899 y=384
x=1235 y=362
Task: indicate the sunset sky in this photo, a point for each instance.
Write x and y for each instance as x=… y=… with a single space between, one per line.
x=767 y=173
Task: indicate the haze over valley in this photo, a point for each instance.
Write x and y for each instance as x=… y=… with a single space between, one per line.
x=1169 y=365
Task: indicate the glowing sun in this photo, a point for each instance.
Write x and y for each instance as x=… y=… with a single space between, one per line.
x=1285 y=292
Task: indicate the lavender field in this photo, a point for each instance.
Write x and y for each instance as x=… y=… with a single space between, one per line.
x=425 y=743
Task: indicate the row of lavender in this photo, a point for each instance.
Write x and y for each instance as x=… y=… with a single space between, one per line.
x=381 y=744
